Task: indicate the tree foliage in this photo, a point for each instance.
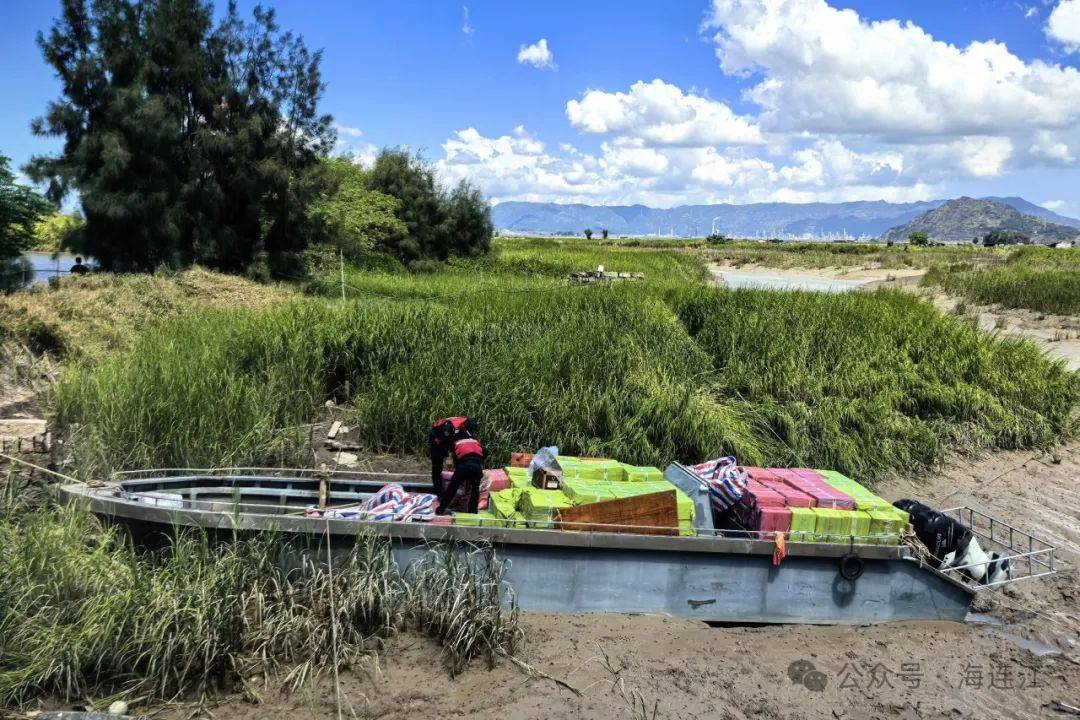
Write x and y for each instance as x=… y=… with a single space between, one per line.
x=919 y=238
x=355 y=218
x=55 y=231
x=20 y=208
x=439 y=223
x=1005 y=237
x=187 y=140
x=588 y=233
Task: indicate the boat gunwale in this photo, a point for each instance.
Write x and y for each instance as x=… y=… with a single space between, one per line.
x=103 y=500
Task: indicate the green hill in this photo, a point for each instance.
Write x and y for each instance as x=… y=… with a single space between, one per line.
x=964 y=219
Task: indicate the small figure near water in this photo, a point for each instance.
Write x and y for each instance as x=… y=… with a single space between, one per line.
x=78 y=268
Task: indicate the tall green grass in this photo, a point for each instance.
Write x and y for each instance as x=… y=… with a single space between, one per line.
x=514 y=267
x=83 y=614
x=873 y=382
x=1043 y=279
x=865 y=383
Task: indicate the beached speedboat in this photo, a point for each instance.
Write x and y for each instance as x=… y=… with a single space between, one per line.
x=712 y=576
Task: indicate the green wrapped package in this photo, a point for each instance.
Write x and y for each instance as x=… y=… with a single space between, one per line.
x=504 y=502
x=860 y=524
x=803 y=522
x=888 y=524
x=516 y=520
x=596 y=470
x=832 y=525
x=519 y=477
x=643 y=473
x=585 y=492
x=483 y=518
x=864 y=498
x=539 y=506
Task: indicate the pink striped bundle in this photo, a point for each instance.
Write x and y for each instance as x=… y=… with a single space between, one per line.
x=793 y=497
x=461 y=499
x=813 y=484
x=755 y=497
x=499 y=479
x=762 y=495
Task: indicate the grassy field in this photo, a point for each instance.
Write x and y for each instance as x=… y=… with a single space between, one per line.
x=1042 y=279
x=199 y=369
x=666 y=369
x=98 y=315
x=84 y=615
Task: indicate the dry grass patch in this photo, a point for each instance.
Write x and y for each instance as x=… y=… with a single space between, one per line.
x=92 y=315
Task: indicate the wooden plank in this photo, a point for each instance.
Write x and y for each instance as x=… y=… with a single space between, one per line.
x=653 y=514
x=334 y=427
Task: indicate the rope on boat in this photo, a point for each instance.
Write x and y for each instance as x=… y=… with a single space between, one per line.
x=38 y=467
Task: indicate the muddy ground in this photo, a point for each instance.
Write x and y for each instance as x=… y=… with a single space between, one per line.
x=1017 y=662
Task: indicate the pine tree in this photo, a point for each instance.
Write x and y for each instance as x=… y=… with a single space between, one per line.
x=187 y=142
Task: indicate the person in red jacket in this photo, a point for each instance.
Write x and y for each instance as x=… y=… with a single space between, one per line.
x=468 y=456
x=441 y=442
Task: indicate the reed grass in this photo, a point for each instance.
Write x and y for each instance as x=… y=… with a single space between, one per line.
x=670 y=369
x=83 y=614
x=1042 y=279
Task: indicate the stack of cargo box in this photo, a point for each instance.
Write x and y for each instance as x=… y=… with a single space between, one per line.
x=887 y=523
x=761 y=506
x=816 y=506
x=813 y=484
x=540 y=506
x=589 y=469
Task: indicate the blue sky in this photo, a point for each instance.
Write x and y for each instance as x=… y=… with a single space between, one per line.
x=685 y=102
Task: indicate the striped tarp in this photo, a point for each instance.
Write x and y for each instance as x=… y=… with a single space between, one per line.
x=726 y=481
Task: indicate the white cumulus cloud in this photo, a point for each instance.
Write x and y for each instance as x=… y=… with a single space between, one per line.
x=661 y=114
x=517 y=166
x=828 y=70
x=538 y=55
x=1063 y=24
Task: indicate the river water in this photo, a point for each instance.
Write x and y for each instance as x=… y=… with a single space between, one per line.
x=46 y=265
x=759 y=281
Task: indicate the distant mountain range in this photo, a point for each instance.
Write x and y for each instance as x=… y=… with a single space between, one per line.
x=964 y=219
x=870 y=218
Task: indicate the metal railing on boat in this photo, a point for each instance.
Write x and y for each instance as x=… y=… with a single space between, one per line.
x=1020 y=548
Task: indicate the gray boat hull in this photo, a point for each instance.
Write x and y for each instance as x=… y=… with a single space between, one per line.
x=713 y=579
